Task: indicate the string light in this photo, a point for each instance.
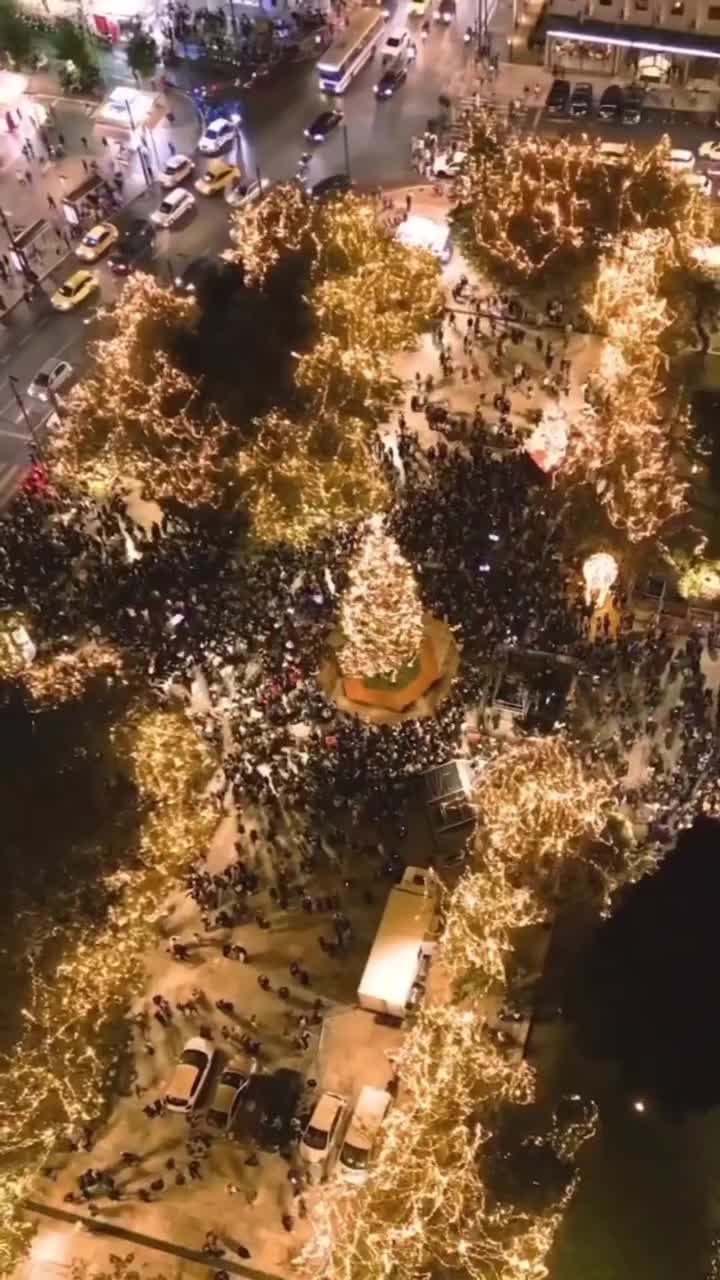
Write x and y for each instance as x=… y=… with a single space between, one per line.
x=61 y=1068
x=528 y=203
x=380 y=612
x=621 y=443
x=304 y=478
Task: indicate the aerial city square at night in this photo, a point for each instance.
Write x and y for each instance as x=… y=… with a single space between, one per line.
x=359 y=640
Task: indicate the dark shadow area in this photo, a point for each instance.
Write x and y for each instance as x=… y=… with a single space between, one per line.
x=644 y=994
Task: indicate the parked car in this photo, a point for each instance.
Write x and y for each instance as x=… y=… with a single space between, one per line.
x=558 y=98
x=362 y=1133
x=390 y=81
x=177 y=169
x=323 y=1131
x=135 y=243
x=75 y=290
x=611 y=102
x=323 y=125
x=448 y=164
x=682 y=160
x=173 y=207
x=190 y=1075
x=217 y=137
x=228 y=1096
x=97 y=241
x=50 y=377
x=613 y=152
x=268 y=1107
x=634 y=100
x=241 y=194
x=700 y=182
x=336 y=185
x=219 y=176
x=445 y=11
x=709 y=151
x=581 y=100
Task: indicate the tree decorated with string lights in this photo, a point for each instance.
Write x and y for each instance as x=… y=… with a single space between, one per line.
x=381 y=619
x=526 y=206
x=61 y=1068
x=304 y=478
x=622 y=442
x=132 y=420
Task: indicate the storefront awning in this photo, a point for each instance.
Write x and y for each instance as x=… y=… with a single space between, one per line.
x=627 y=36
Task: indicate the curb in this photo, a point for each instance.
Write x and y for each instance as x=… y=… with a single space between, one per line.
x=103 y=1227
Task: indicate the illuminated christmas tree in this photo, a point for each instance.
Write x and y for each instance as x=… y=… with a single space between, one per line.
x=381 y=614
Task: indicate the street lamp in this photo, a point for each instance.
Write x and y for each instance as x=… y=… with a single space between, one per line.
x=236 y=120
x=346 y=145
x=14 y=382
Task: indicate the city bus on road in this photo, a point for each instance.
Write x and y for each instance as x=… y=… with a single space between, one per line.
x=343 y=60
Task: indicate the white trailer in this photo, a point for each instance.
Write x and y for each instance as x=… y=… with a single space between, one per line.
x=406 y=934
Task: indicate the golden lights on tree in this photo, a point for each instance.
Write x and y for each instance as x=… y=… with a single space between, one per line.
x=305 y=478
x=381 y=616
x=60 y=1071
x=622 y=443
x=529 y=203
x=132 y=418
x=428 y=1203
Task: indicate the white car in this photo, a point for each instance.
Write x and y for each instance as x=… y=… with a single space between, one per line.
x=709 y=151
x=177 y=169
x=232 y=1084
x=190 y=1075
x=244 y=193
x=362 y=1133
x=323 y=1130
x=175 y=205
x=396 y=45
x=448 y=164
x=700 y=181
x=50 y=377
x=681 y=160
x=217 y=137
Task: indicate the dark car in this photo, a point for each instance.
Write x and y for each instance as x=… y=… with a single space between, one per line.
x=581 y=100
x=269 y=1105
x=633 y=104
x=336 y=185
x=556 y=103
x=611 y=102
x=135 y=243
x=211 y=276
x=390 y=81
x=323 y=125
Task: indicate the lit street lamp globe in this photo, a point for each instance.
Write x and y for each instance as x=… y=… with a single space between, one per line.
x=599 y=572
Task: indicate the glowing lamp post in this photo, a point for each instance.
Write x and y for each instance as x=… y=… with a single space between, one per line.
x=599 y=571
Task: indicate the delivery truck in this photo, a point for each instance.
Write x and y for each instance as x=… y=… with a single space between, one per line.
x=405 y=938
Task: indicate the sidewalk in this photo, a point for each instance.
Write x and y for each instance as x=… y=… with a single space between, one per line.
x=26 y=187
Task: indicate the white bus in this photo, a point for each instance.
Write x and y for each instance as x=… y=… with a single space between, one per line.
x=344 y=59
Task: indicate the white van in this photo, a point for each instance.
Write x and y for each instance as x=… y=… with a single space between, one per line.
x=365 y=1124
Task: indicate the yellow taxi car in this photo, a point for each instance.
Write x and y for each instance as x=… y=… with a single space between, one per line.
x=97 y=241
x=218 y=175
x=75 y=290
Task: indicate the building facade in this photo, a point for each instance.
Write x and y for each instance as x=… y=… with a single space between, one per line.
x=659 y=41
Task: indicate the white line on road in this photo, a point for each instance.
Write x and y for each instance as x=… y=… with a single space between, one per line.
x=14 y=435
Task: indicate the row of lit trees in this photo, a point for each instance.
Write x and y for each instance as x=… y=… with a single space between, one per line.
x=435 y=1197
x=60 y=1071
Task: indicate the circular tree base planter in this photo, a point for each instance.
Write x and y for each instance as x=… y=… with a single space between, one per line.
x=417 y=691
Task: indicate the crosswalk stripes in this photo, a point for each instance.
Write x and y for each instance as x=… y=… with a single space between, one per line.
x=12 y=475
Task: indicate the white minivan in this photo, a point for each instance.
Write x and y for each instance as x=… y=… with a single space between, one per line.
x=365 y=1124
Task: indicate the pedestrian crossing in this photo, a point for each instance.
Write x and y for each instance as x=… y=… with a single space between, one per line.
x=12 y=475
